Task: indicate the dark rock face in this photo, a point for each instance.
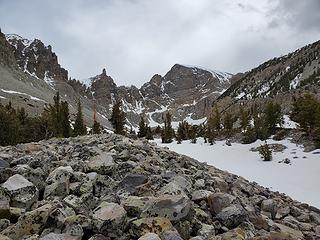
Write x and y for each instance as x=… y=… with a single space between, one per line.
x=6 y=52
x=160 y=195
x=36 y=58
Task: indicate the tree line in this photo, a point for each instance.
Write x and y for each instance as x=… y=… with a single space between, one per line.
x=253 y=123
x=16 y=126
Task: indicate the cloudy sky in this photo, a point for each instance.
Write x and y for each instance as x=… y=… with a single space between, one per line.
x=134 y=39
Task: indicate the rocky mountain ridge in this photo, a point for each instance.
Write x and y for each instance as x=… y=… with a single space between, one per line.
x=112 y=187
x=279 y=79
x=185 y=90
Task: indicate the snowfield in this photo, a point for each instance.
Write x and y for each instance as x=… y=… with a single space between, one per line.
x=300 y=179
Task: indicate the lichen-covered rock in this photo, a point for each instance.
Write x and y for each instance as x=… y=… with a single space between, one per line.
x=108 y=187
x=102 y=163
x=174 y=207
x=58 y=182
x=232 y=216
x=30 y=223
x=218 y=201
x=134 y=205
x=156 y=225
x=150 y=236
x=4 y=208
x=109 y=217
x=22 y=192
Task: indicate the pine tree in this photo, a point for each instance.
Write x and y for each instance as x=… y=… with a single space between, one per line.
x=216 y=119
x=56 y=116
x=149 y=135
x=142 y=128
x=167 y=132
x=64 y=119
x=79 y=128
x=193 y=134
x=304 y=112
x=244 y=119
x=183 y=130
x=118 y=119
x=228 y=122
x=9 y=125
x=273 y=116
x=210 y=130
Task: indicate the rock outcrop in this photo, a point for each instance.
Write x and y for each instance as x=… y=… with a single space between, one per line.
x=111 y=187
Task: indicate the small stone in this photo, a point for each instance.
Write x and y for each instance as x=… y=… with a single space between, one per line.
x=4 y=164
x=134 y=205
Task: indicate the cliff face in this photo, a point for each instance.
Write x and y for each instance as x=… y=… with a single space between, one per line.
x=36 y=58
x=111 y=187
x=6 y=52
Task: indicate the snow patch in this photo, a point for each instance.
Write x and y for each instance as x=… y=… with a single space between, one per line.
x=25 y=94
x=299 y=180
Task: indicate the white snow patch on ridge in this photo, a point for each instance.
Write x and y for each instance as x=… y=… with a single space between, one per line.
x=20 y=93
x=222 y=76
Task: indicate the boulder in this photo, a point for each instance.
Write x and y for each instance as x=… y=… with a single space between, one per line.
x=58 y=182
x=232 y=216
x=172 y=207
x=156 y=225
x=3 y=164
x=171 y=235
x=109 y=217
x=4 y=208
x=269 y=205
x=131 y=182
x=31 y=222
x=200 y=195
x=150 y=236
x=102 y=163
x=134 y=205
x=218 y=201
x=57 y=236
x=22 y=192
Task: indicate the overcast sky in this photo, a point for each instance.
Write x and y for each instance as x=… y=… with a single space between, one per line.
x=134 y=39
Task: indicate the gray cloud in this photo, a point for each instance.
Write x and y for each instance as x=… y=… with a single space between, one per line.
x=135 y=39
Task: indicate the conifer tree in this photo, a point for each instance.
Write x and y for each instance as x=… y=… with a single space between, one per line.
x=167 y=132
x=228 y=122
x=244 y=119
x=149 y=135
x=79 y=128
x=216 y=119
x=193 y=134
x=273 y=116
x=56 y=116
x=304 y=112
x=142 y=128
x=118 y=119
x=64 y=119
x=183 y=130
x=210 y=130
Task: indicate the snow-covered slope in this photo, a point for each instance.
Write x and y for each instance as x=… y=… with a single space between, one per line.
x=298 y=179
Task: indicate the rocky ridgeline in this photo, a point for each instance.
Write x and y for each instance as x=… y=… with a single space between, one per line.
x=111 y=187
